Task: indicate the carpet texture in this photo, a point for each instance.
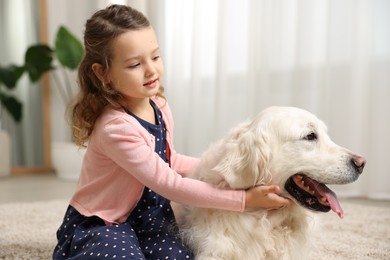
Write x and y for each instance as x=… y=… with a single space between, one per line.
x=27 y=231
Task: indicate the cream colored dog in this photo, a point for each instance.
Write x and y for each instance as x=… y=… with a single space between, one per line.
x=286 y=146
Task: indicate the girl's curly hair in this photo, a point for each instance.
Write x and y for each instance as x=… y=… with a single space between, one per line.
x=100 y=31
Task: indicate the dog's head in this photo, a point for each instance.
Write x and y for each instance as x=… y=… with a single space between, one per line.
x=290 y=147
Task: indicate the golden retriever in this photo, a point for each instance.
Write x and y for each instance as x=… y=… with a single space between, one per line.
x=286 y=146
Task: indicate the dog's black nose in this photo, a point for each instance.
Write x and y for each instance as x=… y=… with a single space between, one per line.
x=358 y=163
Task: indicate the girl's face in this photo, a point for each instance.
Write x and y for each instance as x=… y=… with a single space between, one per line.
x=137 y=68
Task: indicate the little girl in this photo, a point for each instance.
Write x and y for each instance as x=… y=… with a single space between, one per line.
x=121 y=207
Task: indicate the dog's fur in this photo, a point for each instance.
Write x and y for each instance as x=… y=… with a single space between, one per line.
x=278 y=143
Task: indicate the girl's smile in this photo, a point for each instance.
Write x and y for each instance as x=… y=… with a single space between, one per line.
x=152 y=83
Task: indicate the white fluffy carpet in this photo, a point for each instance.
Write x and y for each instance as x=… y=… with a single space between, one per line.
x=27 y=231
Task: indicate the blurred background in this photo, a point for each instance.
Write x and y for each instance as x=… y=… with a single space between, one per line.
x=225 y=61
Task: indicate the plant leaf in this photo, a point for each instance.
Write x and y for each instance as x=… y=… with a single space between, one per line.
x=10 y=75
x=68 y=48
x=38 y=60
x=12 y=105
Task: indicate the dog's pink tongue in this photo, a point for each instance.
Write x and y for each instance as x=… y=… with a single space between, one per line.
x=332 y=199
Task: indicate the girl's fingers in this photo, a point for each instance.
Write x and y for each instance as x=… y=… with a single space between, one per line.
x=271 y=189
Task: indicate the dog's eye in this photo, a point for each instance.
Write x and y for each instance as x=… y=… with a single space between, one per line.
x=311 y=137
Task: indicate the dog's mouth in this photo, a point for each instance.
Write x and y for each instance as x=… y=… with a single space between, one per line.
x=312 y=194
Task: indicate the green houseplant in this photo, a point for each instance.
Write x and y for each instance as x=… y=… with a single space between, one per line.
x=59 y=60
x=40 y=58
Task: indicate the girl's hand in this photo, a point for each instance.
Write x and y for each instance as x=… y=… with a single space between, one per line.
x=265 y=197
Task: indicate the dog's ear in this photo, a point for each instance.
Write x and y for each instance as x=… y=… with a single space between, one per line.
x=245 y=154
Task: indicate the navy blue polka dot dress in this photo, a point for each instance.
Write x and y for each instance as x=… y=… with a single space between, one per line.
x=150 y=232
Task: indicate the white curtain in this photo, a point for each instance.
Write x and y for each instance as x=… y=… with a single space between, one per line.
x=227 y=60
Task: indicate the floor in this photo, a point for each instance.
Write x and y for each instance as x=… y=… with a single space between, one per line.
x=40 y=187
x=35 y=187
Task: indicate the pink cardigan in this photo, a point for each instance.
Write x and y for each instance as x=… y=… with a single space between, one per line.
x=120 y=160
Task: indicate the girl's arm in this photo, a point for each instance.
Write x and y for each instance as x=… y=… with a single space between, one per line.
x=131 y=149
x=183 y=164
